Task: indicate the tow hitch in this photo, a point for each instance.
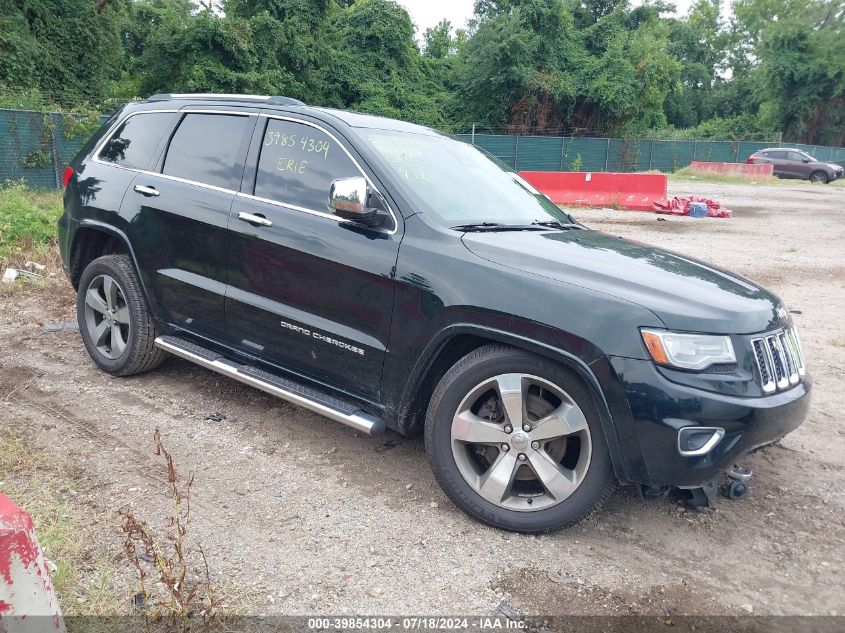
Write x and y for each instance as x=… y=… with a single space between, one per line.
x=738 y=481
x=735 y=488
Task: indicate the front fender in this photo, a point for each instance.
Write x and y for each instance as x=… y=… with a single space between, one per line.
x=574 y=353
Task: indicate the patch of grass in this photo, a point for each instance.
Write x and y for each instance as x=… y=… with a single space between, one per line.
x=28 y=225
x=688 y=174
x=81 y=568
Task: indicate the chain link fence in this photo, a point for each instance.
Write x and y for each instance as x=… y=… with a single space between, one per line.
x=35 y=147
x=578 y=153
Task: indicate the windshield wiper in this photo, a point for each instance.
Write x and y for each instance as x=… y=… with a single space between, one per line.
x=479 y=226
x=536 y=225
x=495 y=226
x=554 y=224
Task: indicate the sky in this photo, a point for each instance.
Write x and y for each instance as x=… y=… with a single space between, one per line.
x=427 y=13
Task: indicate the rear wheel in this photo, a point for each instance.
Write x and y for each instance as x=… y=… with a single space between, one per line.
x=819 y=176
x=115 y=325
x=515 y=441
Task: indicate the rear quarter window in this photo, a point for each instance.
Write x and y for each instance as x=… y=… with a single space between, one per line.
x=205 y=147
x=135 y=141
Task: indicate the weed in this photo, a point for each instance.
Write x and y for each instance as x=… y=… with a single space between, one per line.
x=178 y=599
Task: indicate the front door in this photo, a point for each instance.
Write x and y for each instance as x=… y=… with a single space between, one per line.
x=178 y=216
x=308 y=292
x=801 y=166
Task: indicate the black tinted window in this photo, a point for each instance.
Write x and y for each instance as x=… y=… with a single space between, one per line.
x=134 y=142
x=204 y=149
x=776 y=154
x=298 y=163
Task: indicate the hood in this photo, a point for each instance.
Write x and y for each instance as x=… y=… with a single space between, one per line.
x=684 y=293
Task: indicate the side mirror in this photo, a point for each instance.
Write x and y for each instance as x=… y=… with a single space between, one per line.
x=349 y=198
x=805 y=160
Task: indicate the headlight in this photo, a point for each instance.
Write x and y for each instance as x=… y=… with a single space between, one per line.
x=688 y=351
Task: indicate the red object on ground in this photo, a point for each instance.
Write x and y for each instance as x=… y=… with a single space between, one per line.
x=681 y=206
x=590 y=189
x=749 y=169
x=25 y=587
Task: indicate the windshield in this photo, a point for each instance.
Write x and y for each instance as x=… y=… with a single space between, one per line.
x=458 y=184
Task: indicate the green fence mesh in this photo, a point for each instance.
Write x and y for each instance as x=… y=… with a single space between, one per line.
x=556 y=153
x=35 y=147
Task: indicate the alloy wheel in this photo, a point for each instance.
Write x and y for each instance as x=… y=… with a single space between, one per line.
x=107 y=316
x=521 y=442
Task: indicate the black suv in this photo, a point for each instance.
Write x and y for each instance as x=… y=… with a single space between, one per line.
x=385 y=275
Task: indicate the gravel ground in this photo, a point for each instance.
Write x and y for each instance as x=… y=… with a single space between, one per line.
x=312 y=518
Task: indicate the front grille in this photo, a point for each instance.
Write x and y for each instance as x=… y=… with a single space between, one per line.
x=779 y=359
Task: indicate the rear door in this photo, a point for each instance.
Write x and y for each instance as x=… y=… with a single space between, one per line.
x=179 y=213
x=308 y=292
x=102 y=181
x=780 y=165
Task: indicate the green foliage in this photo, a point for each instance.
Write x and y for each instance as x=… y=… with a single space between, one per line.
x=27 y=219
x=36 y=158
x=541 y=66
x=376 y=66
x=68 y=49
x=80 y=124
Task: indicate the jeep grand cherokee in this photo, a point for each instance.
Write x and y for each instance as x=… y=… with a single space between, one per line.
x=385 y=275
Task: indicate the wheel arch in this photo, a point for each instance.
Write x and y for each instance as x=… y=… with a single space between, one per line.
x=826 y=177
x=94 y=239
x=457 y=340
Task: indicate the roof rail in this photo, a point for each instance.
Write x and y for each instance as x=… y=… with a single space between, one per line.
x=212 y=96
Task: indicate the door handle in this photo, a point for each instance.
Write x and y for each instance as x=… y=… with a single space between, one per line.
x=254 y=219
x=146 y=191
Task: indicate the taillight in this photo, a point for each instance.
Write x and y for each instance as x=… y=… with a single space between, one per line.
x=67 y=176
x=751 y=160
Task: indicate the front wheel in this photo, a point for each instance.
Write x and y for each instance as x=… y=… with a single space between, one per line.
x=516 y=441
x=819 y=176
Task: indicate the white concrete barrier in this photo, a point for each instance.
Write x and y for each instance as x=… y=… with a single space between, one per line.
x=28 y=603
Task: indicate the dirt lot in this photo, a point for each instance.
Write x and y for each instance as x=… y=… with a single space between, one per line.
x=312 y=518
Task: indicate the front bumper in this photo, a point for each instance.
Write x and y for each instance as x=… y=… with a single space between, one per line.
x=657 y=408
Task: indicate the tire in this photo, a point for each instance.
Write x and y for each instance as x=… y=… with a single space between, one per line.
x=819 y=176
x=466 y=420
x=116 y=327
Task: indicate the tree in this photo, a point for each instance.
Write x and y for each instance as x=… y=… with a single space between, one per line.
x=69 y=50
x=438 y=40
x=792 y=55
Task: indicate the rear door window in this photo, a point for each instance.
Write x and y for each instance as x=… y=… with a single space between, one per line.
x=135 y=141
x=298 y=163
x=778 y=155
x=205 y=147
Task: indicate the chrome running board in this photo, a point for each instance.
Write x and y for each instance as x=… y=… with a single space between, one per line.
x=293 y=392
